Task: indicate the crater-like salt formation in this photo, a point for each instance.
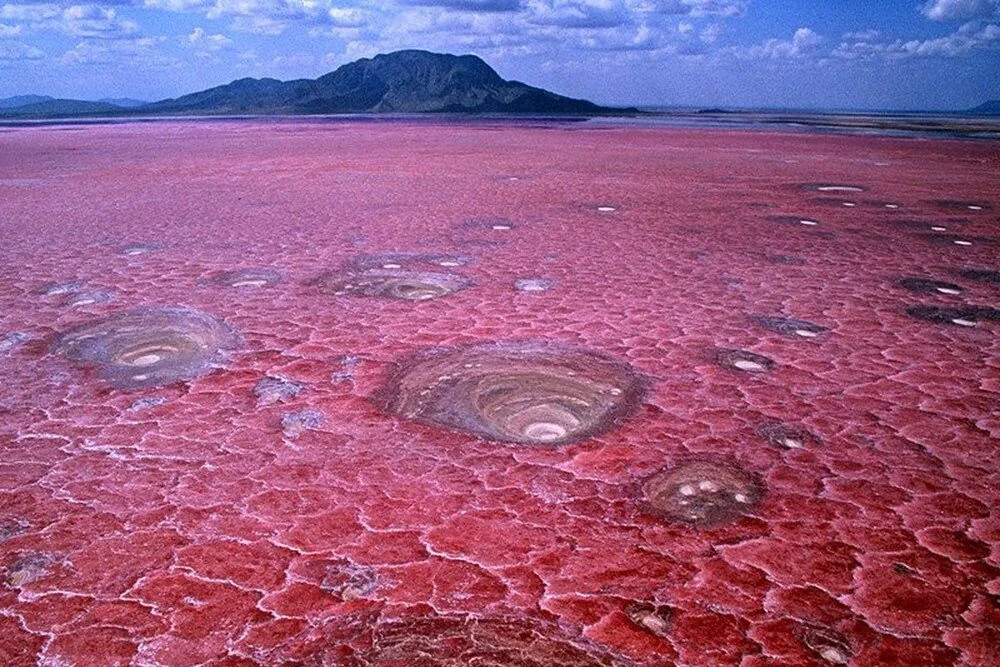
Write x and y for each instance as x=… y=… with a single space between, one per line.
x=788 y=326
x=831 y=187
x=741 y=360
x=392 y=284
x=83 y=299
x=701 y=493
x=960 y=205
x=828 y=645
x=652 y=618
x=967 y=316
x=533 y=284
x=13 y=339
x=249 y=278
x=786 y=436
x=929 y=286
x=271 y=389
x=61 y=289
x=134 y=249
x=991 y=276
x=149 y=347
x=527 y=392
x=447 y=640
x=406 y=260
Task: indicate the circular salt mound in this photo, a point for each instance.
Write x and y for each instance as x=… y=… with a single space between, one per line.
x=523 y=392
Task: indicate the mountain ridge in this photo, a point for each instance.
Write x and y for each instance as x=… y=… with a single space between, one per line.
x=408 y=81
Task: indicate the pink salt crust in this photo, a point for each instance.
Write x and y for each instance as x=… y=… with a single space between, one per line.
x=181 y=526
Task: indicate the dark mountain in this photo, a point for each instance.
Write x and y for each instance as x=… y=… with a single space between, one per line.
x=403 y=81
x=126 y=102
x=21 y=100
x=51 y=108
x=991 y=108
x=55 y=108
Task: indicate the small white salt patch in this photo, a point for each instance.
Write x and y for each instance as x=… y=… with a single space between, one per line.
x=740 y=498
x=805 y=333
x=963 y=242
x=948 y=290
x=811 y=223
x=501 y=228
x=963 y=322
x=838 y=188
x=831 y=654
x=140 y=377
x=606 y=209
x=448 y=262
x=83 y=302
x=687 y=490
x=391 y=265
x=849 y=204
x=615 y=391
x=975 y=208
x=146 y=360
x=892 y=205
x=939 y=229
x=791 y=443
x=747 y=365
x=708 y=485
x=249 y=283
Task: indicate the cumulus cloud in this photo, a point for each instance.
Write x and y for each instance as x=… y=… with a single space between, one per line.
x=28 y=12
x=578 y=13
x=94 y=21
x=960 y=10
x=700 y=7
x=470 y=5
x=972 y=36
x=141 y=51
x=804 y=43
x=16 y=51
x=9 y=30
x=205 y=42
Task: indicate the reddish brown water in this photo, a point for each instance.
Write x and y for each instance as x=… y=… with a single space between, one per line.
x=786 y=451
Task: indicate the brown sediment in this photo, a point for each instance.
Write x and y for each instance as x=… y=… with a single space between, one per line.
x=149 y=347
x=528 y=392
x=701 y=493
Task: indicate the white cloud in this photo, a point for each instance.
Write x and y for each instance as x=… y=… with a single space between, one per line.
x=28 y=12
x=9 y=30
x=94 y=21
x=970 y=37
x=805 y=42
x=698 y=8
x=578 y=13
x=15 y=51
x=205 y=42
x=141 y=51
x=960 y=10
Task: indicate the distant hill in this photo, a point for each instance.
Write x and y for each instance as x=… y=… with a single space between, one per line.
x=21 y=100
x=53 y=108
x=403 y=82
x=991 y=108
x=126 y=102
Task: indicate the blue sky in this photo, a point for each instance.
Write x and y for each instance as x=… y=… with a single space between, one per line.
x=877 y=54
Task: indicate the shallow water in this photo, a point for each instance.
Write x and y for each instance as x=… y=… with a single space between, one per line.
x=554 y=394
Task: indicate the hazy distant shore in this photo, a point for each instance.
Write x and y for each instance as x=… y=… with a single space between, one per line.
x=888 y=124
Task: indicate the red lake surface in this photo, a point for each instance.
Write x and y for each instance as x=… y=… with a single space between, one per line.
x=404 y=394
